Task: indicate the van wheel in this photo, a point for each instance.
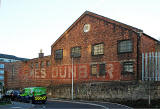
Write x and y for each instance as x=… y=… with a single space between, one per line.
x=33 y=102
x=43 y=102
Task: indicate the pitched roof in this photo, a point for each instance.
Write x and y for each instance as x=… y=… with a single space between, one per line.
x=101 y=18
x=151 y=38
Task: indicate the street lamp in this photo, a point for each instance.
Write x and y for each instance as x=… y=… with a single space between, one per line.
x=72 y=77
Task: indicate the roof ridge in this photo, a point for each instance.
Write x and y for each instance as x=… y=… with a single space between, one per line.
x=100 y=17
x=88 y=12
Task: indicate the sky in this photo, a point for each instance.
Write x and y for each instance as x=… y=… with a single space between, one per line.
x=26 y=26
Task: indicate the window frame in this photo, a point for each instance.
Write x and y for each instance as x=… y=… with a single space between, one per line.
x=99 y=72
x=2 y=66
x=102 y=73
x=32 y=65
x=94 y=74
x=42 y=64
x=128 y=63
x=92 y=51
x=48 y=63
x=36 y=64
x=1 y=78
x=118 y=46
x=58 y=58
x=1 y=72
x=74 y=55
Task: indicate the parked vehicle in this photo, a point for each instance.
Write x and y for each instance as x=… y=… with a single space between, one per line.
x=8 y=93
x=1 y=96
x=34 y=94
x=15 y=95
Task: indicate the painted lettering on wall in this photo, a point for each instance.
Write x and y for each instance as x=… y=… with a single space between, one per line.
x=81 y=72
x=110 y=70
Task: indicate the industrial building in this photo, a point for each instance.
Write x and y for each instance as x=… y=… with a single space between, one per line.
x=95 y=48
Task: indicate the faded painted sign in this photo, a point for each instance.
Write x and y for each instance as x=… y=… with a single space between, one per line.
x=80 y=72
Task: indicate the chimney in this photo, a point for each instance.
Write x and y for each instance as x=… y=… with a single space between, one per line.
x=41 y=54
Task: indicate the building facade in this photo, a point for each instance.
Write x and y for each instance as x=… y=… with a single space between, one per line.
x=100 y=49
x=33 y=72
x=6 y=66
x=95 y=49
x=2 y=72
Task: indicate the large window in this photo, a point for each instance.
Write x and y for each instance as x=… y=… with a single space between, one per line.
x=1 y=71
x=58 y=54
x=76 y=52
x=1 y=77
x=2 y=66
x=125 y=46
x=98 y=69
x=128 y=67
x=98 y=49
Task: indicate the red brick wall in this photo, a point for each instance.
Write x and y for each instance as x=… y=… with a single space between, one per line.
x=147 y=44
x=35 y=76
x=27 y=76
x=101 y=31
x=11 y=74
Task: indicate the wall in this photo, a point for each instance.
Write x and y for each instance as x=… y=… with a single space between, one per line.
x=146 y=44
x=107 y=91
x=21 y=74
x=101 y=32
x=11 y=74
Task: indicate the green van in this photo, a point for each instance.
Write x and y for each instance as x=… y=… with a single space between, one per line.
x=34 y=94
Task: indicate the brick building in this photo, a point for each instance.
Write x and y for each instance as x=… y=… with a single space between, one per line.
x=33 y=72
x=102 y=50
x=95 y=48
x=9 y=64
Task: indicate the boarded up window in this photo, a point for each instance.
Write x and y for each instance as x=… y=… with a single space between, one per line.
x=98 y=69
x=94 y=69
x=128 y=67
x=102 y=69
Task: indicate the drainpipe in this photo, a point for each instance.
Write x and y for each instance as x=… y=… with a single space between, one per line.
x=139 y=34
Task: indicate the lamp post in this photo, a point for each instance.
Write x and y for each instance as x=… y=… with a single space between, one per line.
x=72 y=78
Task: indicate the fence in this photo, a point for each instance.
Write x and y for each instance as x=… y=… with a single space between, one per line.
x=151 y=66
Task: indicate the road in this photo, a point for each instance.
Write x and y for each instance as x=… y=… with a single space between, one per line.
x=59 y=104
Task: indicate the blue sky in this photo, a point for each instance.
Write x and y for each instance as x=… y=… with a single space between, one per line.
x=26 y=26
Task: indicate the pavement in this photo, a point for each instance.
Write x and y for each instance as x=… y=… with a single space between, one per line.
x=55 y=103
x=105 y=105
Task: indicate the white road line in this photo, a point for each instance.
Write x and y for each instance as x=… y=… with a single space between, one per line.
x=16 y=107
x=44 y=107
x=83 y=103
x=116 y=104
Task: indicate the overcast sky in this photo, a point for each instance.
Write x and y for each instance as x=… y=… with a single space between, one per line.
x=26 y=26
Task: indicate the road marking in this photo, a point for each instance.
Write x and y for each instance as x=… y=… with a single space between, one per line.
x=16 y=107
x=84 y=103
